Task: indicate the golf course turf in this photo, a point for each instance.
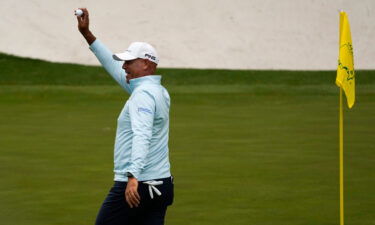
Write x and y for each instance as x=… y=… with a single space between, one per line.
x=246 y=147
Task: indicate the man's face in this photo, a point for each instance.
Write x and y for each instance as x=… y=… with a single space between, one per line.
x=134 y=68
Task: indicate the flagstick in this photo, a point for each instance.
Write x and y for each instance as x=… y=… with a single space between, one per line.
x=341 y=162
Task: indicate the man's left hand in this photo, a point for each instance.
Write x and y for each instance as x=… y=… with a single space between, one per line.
x=131 y=193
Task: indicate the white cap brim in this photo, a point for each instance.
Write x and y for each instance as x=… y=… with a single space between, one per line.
x=125 y=56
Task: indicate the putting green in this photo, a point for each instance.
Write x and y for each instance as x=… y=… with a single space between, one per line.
x=254 y=152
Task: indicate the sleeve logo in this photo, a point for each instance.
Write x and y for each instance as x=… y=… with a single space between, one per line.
x=140 y=109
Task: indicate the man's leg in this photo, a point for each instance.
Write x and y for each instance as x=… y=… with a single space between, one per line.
x=154 y=216
x=114 y=210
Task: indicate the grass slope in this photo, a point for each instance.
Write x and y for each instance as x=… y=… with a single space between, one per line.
x=24 y=71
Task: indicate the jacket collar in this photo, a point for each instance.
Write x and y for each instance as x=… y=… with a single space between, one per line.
x=149 y=79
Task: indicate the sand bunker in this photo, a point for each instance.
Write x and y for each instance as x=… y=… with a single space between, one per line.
x=233 y=34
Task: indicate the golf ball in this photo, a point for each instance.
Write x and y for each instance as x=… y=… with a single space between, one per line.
x=78 y=12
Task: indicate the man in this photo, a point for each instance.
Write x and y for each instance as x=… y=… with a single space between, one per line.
x=143 y=185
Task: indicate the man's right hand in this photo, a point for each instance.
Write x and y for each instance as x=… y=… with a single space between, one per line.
x=83 y=26
x=131 y=193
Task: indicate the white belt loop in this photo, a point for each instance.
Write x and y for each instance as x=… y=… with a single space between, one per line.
x=151 y=187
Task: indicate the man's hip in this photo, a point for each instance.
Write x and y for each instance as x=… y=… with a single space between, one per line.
x=156 y=195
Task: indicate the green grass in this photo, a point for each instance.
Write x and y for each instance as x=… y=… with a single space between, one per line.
x=243 y=151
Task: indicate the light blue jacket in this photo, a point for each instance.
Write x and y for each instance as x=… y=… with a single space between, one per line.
x=141 y=145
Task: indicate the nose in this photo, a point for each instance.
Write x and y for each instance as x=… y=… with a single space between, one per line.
x=124 y=65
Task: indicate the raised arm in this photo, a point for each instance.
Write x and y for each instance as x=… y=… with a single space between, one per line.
x=83 y=26
x=104 y=55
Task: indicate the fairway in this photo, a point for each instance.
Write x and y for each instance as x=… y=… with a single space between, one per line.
x=241 y=153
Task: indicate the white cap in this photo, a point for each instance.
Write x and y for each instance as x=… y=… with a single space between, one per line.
x=137 y=50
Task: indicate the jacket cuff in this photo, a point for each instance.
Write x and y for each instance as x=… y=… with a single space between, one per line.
x=132 y=172
x=94 y=46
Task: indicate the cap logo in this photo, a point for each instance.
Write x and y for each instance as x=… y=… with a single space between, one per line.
x=150 y=56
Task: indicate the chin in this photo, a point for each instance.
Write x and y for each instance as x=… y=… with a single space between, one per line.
x=127 y=77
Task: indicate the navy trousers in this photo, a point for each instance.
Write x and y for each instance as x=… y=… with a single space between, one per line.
x=116 y=211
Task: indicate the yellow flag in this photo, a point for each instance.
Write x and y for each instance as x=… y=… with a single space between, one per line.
x=345 y=70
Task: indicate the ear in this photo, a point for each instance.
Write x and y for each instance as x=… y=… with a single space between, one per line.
x=146 y=64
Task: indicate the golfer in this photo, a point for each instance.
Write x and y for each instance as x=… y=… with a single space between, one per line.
x=143 y=187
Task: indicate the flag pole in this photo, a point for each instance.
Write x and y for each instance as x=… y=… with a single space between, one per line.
x=341 y=161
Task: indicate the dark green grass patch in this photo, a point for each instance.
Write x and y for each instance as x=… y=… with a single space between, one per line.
x=24 y=71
